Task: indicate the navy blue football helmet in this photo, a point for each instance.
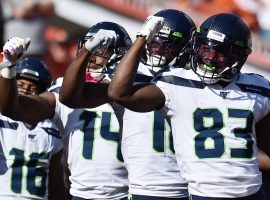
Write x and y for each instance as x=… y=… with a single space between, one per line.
x=221 y=47
x=174 y=38
x=119 y=48
x=122 y=44
x=35 y=70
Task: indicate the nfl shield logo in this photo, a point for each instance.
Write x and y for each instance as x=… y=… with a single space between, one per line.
x=224 y=94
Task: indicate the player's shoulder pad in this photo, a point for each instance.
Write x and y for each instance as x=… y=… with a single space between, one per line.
x=254 y=83
x=254 y=79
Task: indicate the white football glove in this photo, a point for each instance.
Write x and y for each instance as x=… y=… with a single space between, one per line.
x=150 y=27
x=13 y=49
x=102 y=38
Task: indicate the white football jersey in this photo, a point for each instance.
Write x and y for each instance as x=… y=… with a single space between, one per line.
x=24 y=158
x=148 y=151
x=214 y=131
x=92 y=141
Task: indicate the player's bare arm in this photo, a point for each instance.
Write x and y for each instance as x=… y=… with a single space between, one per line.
x=27 y=108
x=264 y=160
x=56 y=187
x=262 y=134
x=124 y=76
x=141 y=98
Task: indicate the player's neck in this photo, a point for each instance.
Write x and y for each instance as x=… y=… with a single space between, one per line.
x=223 y=83
x=30 y=126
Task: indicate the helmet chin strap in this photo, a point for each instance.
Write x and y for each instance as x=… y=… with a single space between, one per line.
x=157 y=61
x=97 y=75
x=211 y=77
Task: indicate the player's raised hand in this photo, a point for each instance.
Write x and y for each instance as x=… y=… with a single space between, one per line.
x=150 y=27
x=102 y=38
x=13 y=49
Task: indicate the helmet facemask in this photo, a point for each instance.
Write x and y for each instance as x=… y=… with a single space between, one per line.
x=98 y=64
x=100 y=60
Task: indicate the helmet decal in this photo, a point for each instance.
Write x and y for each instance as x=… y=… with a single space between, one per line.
x=216 y=36
x=177 y=34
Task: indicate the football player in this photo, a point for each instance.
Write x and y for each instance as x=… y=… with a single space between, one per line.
x=91 y=137
x=30 y=152
x=147 y=144
x=213 y=107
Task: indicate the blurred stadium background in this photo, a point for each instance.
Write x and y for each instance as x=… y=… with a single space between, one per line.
x=81 y=14
x=73 y=17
